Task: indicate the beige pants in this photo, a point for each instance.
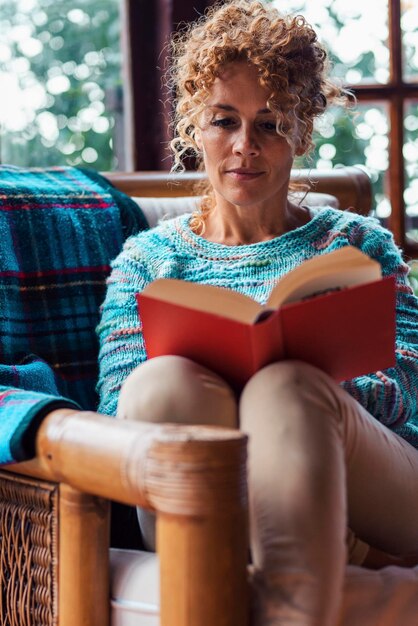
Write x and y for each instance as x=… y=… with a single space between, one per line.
x=318 y=464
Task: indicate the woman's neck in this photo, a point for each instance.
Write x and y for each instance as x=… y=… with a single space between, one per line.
x=247 y=226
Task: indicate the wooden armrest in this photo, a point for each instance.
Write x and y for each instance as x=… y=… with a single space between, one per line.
x=131 y=461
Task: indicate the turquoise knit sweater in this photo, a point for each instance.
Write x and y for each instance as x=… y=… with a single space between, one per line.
x=172 y=250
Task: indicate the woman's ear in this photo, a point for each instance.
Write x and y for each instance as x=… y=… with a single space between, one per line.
x=198 y=139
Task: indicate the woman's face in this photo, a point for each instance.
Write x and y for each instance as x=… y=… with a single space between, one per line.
x=248 y=164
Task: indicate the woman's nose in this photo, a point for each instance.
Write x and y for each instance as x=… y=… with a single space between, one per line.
x=245 y=142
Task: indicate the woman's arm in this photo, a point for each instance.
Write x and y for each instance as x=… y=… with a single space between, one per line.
x=120 y=331
x=391 y=395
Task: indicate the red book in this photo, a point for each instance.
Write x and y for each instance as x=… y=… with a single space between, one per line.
x=334 y=311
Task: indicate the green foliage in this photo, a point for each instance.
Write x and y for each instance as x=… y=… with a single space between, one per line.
x=77 y=43
x=413 y=276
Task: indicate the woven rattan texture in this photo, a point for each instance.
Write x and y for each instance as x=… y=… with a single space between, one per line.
x=28 y=551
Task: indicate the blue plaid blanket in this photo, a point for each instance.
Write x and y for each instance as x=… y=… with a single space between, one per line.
x=59 y=230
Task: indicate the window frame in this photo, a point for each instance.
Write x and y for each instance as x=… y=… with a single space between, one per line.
x=147 y=120
x=394 y=94
x=146 y=29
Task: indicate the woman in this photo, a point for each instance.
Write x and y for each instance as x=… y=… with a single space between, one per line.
x=332 y=468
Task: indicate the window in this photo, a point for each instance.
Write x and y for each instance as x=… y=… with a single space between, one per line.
x=60 y=82
x=374 y=49
x=60 y=66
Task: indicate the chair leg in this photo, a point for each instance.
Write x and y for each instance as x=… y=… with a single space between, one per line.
x=83 y=573
x=203 y=570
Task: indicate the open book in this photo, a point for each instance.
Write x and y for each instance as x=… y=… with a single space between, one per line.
x=334 y=311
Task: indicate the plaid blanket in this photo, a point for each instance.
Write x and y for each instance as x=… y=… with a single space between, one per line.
x=59 y=230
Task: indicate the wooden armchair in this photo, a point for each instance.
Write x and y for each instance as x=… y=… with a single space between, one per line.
x=55 y=520
x=54 y=510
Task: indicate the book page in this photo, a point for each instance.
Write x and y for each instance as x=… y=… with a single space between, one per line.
x=341 y=268
x=216 y=300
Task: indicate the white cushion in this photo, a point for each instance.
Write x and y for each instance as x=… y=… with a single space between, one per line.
x=156 y=209
x=134 y=588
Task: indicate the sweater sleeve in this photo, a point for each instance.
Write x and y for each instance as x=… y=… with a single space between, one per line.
x=120 y=335
x=28 y=392
x=21 y=413
x=391 y=395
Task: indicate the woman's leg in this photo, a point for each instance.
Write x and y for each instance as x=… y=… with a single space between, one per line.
x=175 y=389
x=317 y=462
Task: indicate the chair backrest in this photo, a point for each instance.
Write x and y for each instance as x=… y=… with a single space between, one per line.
x=350 y=186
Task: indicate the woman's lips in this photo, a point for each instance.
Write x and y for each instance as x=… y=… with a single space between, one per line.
x=244 y=174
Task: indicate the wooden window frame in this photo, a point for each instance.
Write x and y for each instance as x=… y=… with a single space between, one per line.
x=146 y=28
x=395 y=94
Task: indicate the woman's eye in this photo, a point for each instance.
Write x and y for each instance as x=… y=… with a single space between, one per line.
x=223 y=122
x=268 y=126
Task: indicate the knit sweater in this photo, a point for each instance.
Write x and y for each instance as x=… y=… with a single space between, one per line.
x=172 y=250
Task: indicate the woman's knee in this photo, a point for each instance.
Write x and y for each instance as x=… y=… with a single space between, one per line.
x=290 y=375
x=284 y=387
x=176 y=389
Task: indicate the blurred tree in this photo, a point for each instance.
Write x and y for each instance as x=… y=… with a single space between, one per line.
x=60 y=66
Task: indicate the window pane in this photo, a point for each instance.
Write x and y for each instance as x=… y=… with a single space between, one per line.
x=410 y=152
x=60 y=69
x=409 y=25
x=355 y=32
x=359 y=138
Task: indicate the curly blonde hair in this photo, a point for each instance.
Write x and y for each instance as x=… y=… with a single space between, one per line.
x=291 y=64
